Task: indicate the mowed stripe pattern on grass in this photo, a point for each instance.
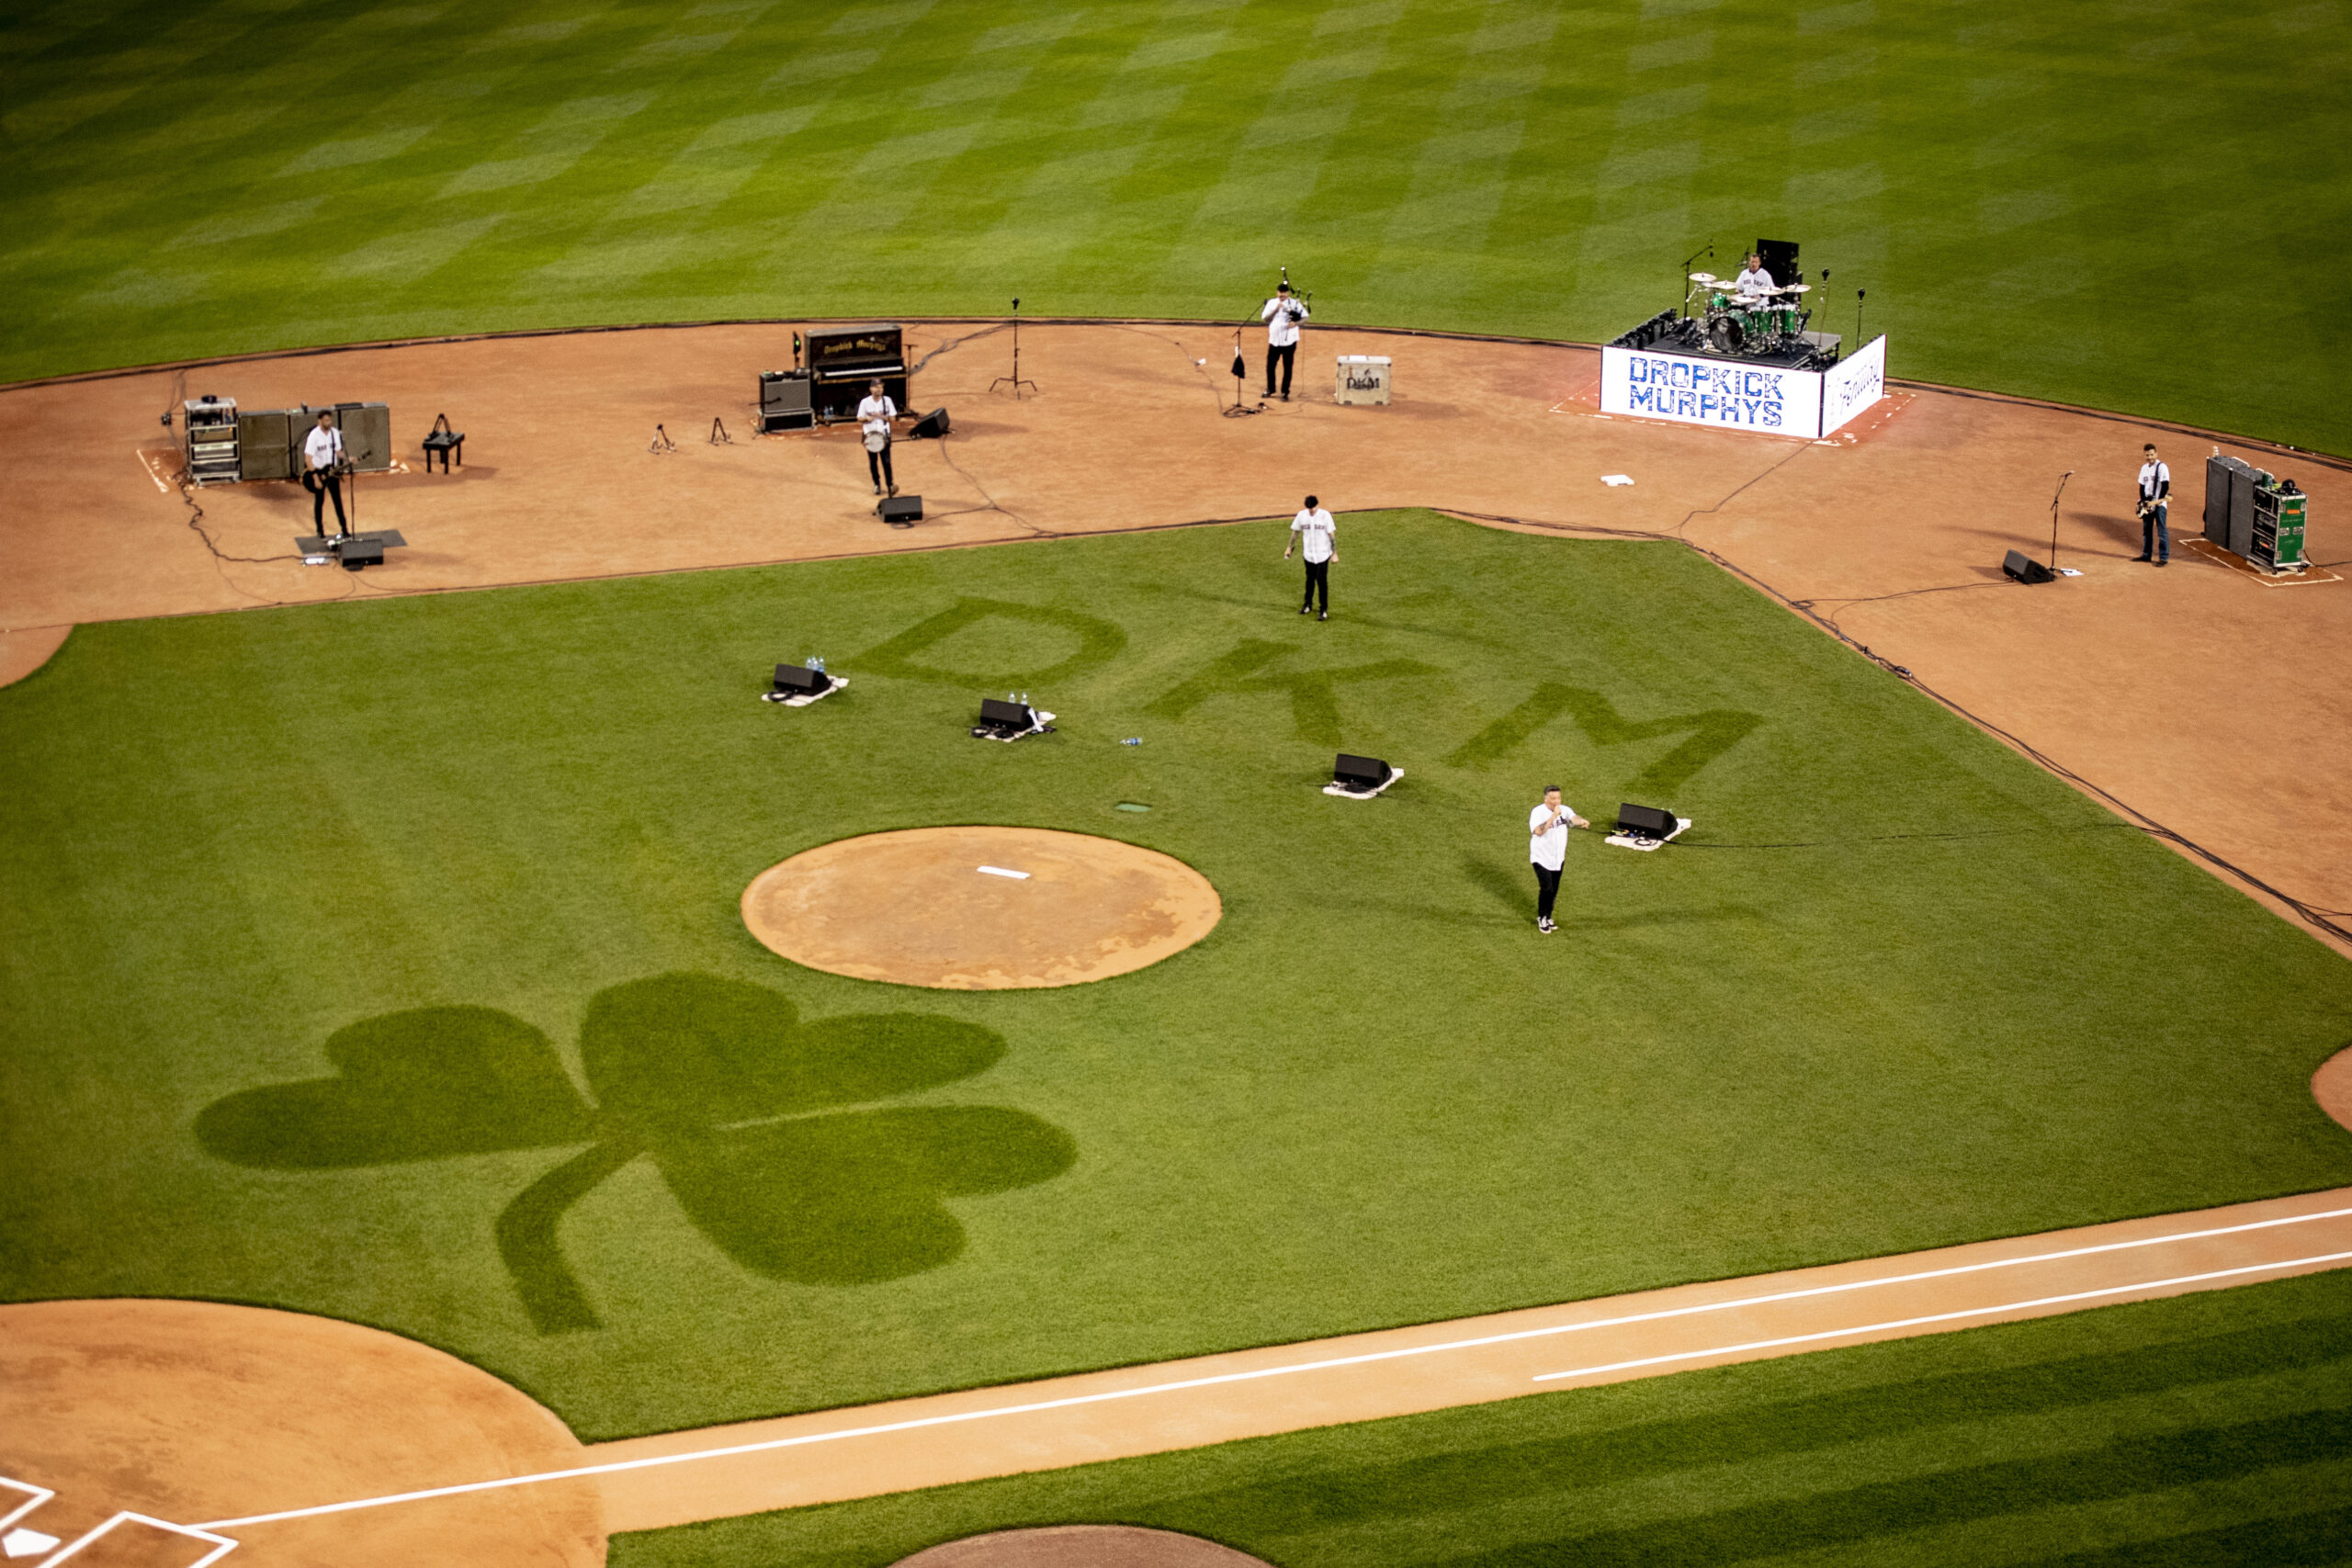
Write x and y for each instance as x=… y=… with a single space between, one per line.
x=2202 y=1429
x=183 y=186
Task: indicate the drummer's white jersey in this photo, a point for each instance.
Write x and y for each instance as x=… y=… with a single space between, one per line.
x=1755 y=280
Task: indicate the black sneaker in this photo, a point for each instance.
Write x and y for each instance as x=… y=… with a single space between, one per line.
x=2165 y=561
x=2139 y=558
x=1324 y=617
x=1307 y=609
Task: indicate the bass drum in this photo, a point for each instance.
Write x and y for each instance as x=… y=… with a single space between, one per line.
x=1727 y=333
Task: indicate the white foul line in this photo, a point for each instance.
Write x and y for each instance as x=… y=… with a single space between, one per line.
x=999 y=871
x=1943 y=1317
x=1661 y=1315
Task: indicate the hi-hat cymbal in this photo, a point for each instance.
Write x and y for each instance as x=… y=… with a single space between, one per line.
x=1702 y=277
x=1794 y=288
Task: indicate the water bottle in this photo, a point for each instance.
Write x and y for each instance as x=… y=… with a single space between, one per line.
x=1132 y=741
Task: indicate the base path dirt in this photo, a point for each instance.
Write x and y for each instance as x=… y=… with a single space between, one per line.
x=196 y=1411
x=314 y=1442
x=979 y=909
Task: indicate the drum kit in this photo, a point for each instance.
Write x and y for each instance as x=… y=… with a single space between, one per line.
x=1747 y=321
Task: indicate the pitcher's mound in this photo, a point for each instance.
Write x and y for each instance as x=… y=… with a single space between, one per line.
x=934 y=907
x=1082 y=1546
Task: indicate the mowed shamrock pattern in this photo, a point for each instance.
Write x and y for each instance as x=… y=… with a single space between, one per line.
x=768 y=1130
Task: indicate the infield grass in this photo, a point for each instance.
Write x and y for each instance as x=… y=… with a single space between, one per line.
x=2132 y=207
x=383 y=960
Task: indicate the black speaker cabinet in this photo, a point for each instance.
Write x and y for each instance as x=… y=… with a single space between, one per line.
x=1647 y=821
x=932 y=426
x=356 y=554
x=901 y=511
x=796 y=681
x=784 y=391
x=1005 y=716
x=367 y=435
x=1779 y=259
x=1358 y=772
x=265 y=449
x=2241 y=540
x=791 y=419
x=2020 y=566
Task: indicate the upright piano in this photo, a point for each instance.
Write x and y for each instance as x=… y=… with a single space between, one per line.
x=841 y=360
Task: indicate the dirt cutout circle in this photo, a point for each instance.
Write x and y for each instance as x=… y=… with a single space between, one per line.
x=936 y=907
x=1081 y=1546
x=2332 y=1086
x=198 y=1411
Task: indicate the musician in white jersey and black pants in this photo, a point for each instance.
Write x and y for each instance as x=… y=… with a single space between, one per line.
x=874 y=416
x=1312 y=533
x=322 y=474
x=1547 y=847
x=2155 y=496
x=1281 y=315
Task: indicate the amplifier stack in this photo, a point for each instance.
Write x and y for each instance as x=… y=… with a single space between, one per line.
x=784 y=402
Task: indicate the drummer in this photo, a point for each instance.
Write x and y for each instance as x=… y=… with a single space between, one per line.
x=1754 y=279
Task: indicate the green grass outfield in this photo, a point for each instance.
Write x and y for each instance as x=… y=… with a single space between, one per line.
x=479 y=854
x=2195 y=1433
x=2137 y=208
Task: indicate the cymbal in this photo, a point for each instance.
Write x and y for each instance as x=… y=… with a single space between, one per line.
x=1702 y=277
x=1794 y=288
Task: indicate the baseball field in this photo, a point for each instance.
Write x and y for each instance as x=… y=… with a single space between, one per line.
x=380 y=963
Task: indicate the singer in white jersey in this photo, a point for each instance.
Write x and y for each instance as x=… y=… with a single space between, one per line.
x=1312 y=531
x=2156 y=497
x=1547 y=847
x=1281 y=315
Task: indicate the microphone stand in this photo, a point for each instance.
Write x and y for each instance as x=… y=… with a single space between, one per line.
x=1015 y=377
x=2053 y=520
x=1682 y=278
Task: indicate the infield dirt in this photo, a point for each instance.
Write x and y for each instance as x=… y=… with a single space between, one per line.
x=2161 y=686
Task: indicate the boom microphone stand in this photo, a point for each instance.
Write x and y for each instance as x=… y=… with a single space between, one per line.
x=1015 y=377
x=2053 y=520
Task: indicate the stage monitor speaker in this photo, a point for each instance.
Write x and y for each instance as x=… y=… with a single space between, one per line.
x=1779 y=259
x=1358 y=772
x=799 y=680
x=931 y=426
x=791 y=419
x=2017 y=565
x=1005 y=716
x=901 y=511
x=1646 y=821
x=367 y=435
x=264 y=449
x=355 y=554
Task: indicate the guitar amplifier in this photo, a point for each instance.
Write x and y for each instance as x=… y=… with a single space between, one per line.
x=266 y=446
x=367 y=435
x=791 y=419
x=784 y=391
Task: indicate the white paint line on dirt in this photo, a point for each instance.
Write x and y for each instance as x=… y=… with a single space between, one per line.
x=1331 y=1362
x=999 y=871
